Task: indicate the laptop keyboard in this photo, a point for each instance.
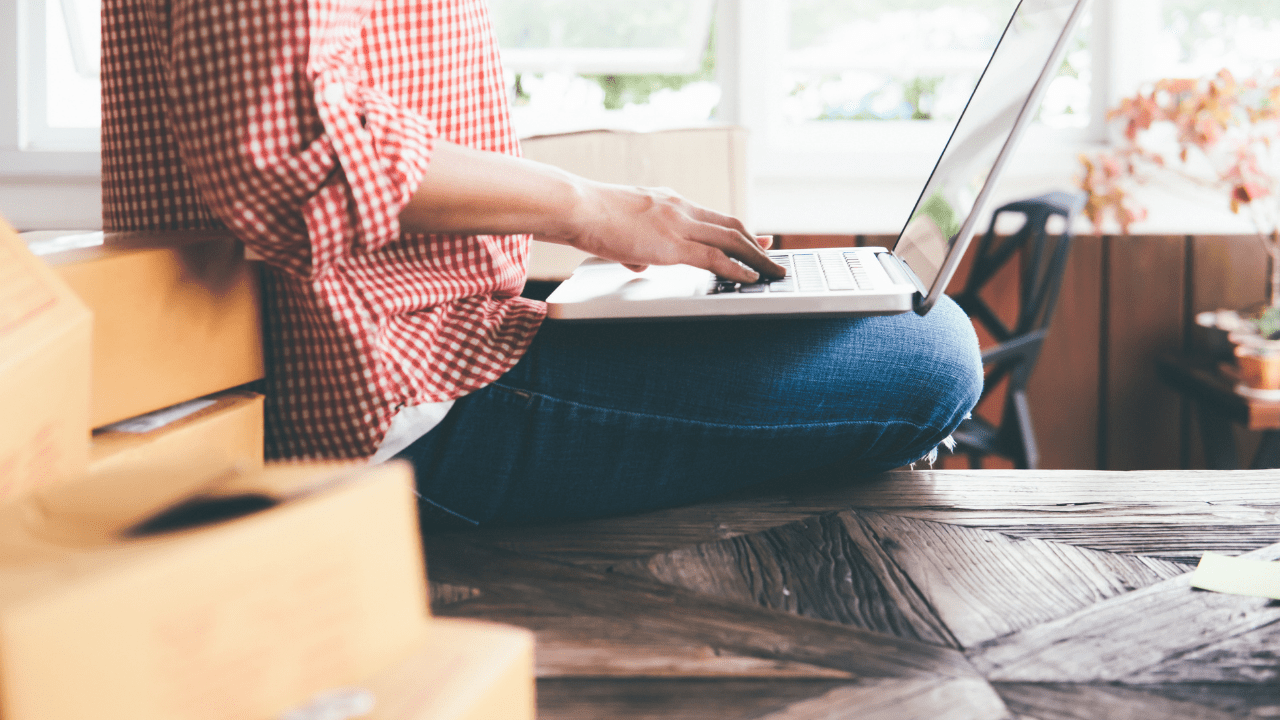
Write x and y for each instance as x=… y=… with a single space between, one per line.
x=806 y=272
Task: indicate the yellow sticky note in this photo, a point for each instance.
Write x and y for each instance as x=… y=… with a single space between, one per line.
x=1237 y=576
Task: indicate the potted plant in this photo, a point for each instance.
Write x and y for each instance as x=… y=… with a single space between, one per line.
x=1220 y=133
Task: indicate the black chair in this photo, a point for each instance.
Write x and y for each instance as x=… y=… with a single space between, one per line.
x=1042 y=262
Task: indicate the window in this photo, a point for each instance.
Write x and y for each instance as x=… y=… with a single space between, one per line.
x=49 y=114
x=843 y=99
x=63 y=112
x=574 y=64
x=1196 y=38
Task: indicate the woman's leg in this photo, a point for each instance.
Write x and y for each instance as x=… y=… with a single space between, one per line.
x=606 y=419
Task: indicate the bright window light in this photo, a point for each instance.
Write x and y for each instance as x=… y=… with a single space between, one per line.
x=73 y=34
x=581 y=64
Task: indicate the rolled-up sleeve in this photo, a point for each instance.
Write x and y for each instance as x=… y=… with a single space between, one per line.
x=289 y=145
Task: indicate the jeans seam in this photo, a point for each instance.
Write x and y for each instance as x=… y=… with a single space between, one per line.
x=452 y=513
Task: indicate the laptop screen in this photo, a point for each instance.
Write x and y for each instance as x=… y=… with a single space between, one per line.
x=941 y=217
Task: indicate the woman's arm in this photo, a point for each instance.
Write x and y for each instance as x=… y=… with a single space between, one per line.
x=473 y=192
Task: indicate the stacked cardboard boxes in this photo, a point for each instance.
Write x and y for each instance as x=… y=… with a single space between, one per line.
x=44 y=373
x=177 y=326
x=158 y=570
x=314 y=586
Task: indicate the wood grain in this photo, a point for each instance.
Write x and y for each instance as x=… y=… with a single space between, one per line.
x=1060 y=583
x=1000 y=499
x=671 y=699
x=575 y=650
x=1063 y=391
x=900 y=700
x=1062 y=701
x=1177 y=543
x=984 y=585
x=1144 y=318
x=824 y=567
x=1144 y=491
x=530 y=592
x=1130 y=638
x=1227 y=272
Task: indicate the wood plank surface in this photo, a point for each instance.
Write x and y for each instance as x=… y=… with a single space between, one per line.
x=709 y=700
x=529 y=592
x=1178 y=543
x=1136 y=637
x=899 y=700
x=827 y=567
x=1078 y=489
x=999 y=499
x=1058 y=583
x=984 y=585
x=575 y=650
x=671 y=699
x=1063 y=701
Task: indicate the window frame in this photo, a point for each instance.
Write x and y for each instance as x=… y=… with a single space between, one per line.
x=748 y=22
x=28 y=146
x=42 y=185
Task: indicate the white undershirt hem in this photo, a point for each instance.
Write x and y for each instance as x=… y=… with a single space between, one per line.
x=408 y=425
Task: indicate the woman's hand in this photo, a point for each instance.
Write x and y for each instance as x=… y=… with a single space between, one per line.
x=655 y=226
x=470 y=192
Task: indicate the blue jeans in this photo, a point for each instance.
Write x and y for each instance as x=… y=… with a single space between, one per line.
x=605 y=419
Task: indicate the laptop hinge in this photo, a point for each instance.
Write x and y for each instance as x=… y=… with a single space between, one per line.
x=901 y=272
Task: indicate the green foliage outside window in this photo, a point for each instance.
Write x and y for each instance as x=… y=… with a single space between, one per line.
x=619 y=90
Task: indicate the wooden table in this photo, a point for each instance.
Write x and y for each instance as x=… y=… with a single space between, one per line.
x=1028 y=595
x=1211 y=386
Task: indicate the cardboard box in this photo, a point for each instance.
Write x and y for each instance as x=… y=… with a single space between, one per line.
x=245 y=618
x=44 y=373
x=220 y=432
x=706 y=165
x=177 y=314
x=461 y=670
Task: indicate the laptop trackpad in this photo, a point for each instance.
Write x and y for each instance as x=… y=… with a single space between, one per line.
x=597 y=280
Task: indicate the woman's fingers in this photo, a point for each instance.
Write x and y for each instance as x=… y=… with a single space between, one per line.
x=740 y=246
x=639 y=227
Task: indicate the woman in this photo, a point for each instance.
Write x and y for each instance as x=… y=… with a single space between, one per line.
x=363 y=149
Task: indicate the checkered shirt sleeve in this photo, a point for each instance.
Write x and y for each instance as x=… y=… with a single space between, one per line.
x=304 y=126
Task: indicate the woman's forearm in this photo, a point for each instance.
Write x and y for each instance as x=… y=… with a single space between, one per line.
x=467 y=191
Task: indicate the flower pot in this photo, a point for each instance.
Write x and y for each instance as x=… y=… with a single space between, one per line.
x=1259 y=367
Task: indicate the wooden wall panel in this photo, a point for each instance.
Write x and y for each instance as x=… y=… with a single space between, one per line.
x=1145 y=285
x=1097 y=401
x=1227 y=272
x=1064 y=387
x=798 y=242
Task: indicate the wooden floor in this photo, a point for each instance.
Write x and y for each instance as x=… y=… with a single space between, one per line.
x=953 y=594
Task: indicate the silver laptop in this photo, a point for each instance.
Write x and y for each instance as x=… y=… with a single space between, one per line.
x=855 y=281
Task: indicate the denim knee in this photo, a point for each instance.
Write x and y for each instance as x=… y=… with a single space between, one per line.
x=939 y=376
x=957 y=368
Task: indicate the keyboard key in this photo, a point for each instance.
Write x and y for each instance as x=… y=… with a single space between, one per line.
x=808 y=273
x=838 y=275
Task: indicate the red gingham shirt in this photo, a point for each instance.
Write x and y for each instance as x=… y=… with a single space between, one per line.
x=304 y=126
